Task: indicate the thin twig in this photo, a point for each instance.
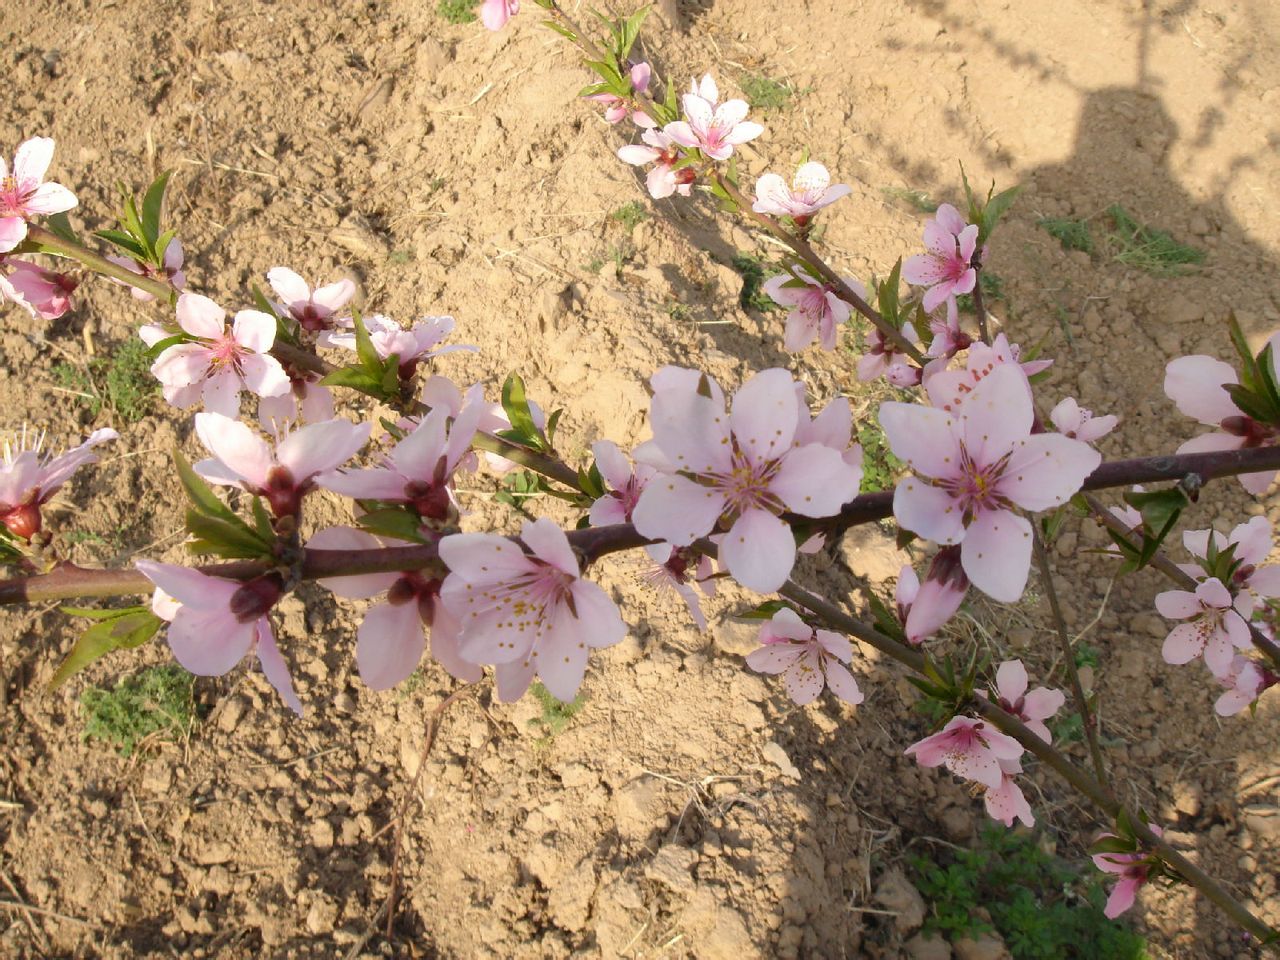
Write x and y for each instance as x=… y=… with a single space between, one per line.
x=1060 y=627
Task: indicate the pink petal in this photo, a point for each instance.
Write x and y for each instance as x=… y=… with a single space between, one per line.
x=237 y=446
x=254 y=330
x=1042 y=703
x=31 y=160
x=1011 y=680
x=389 y=644
x=512 y=679
x=274 y=667
x=191 y=588
x=50 y=198
x=209 y=642
x=774 y=658
x=1253 y=539
x=742 y=132
x=288 y=286
x=1122 y=897
x=998 y=414
x=785 y=625
x=481 y=559
x=949 y=219
x=759 y=551
x=815 y=481
x=264 y=376
x=548 y=543
x=375 y=483
x=1184 y=643
x=968 y=242
x=221 y=394
x=597 y=623
x=928 y=511
x=1257 y=483
x=13 y=230
x=1212 y=593
x=612 y=463
x=607 y=510
x=834 y=645
x=334 y=296
x=637 y=154
x=693 y=430
x=996 y=554
x=922 y=437
x=804 y=678
x=318 y=447
x=840 y=682
x=675 y=509
x=1046 y=470
x=446 y=646
x=1195 y=385
x=200 y=316
x=922 y=269
x=1177 y=604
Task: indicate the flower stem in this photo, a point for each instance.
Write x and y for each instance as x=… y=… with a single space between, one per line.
x=98 y=263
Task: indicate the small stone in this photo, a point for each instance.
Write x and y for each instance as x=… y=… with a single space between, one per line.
x=895 y=893
x=636 y=806
x=987 y=946
x=322 y=916
x=738 y=637
x=957 y=824
x=216 y=851
x=671 y=868
x=230 y=712
x=921 y=947
x=778 y=757
x=321 y=834
x=1262 y=820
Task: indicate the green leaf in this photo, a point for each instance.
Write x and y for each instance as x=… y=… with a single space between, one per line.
x=563 y=31
x=394 y=522
x=132 y=627
x=975 y=210
x=160 y=346
x=125 y=242
x=152 y=204
x=553 y=421
x=129 y=216
x=365 y=350
x=162 y=244
x=764 y=611
x=262 y=521
x=887 y=295
x=354 y=378
x=995 y=209
x=609 y=72
x=1250 y=403
x=631 y=31
x=592 y=89
x=59 y=224
x=1159 y=508
x=516 y=404
x=231 y=538
x=98 y=613
x=591 y=482
x=199 y=492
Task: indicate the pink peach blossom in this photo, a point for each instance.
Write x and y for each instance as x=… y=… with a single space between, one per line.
x=742 y=469
x=24 y=194
x=1132 y=868
x=949 y=388
x=945 y=269
x=1032 y=707
x=664 y=153
x=411 y=347
x=617 y=109
x=419 y=470
x=43 y=291
x=390 y=641
x=970 y=470
x=809 y=192
x=219 y=621
x=674 y=568
x=170 y=271
x=710 y=126
x=624 y=484
x=285 y=474
x=1245 y=680
x=1252 y=542
x=1197 y=385
x=948 y=338
x=305 y=402
x=28 y=480
x=883 y=358
x=1216 y=624
x=969 y=748
x=1072 y=420
x=924 y=608
x=312 y=309
x=494 y=14
x=808 y=659
x=1006 y=802
x=815 y=310
x=527 y=613
x=220 y=363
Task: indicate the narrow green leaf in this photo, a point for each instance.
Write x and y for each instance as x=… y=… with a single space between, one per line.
x=199 y=492
x=516 y=404
x=262 y=521
x=99 y=613
x=365 y=350
x=995 y=209
x=397 y=522
x=160 y=346
x=152 y=204
x=232 y=539
x=124 y=241
x=134 y=628
x=563 y=31
x=353 y=378
x=553 y=421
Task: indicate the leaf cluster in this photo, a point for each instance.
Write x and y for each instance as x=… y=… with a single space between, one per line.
x=216 y=529
x=1041 y=906
x=138 y=232
x=157 y=701
x=370 y=374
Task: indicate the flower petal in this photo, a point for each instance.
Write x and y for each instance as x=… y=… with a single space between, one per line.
x=759 y=551
x=996 y=554
x=237 y=446
x=389 y=644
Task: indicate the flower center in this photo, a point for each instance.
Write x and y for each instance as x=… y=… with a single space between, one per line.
x=746 y=485
x=11 y=195
x=225 y=350
x=977 y=486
